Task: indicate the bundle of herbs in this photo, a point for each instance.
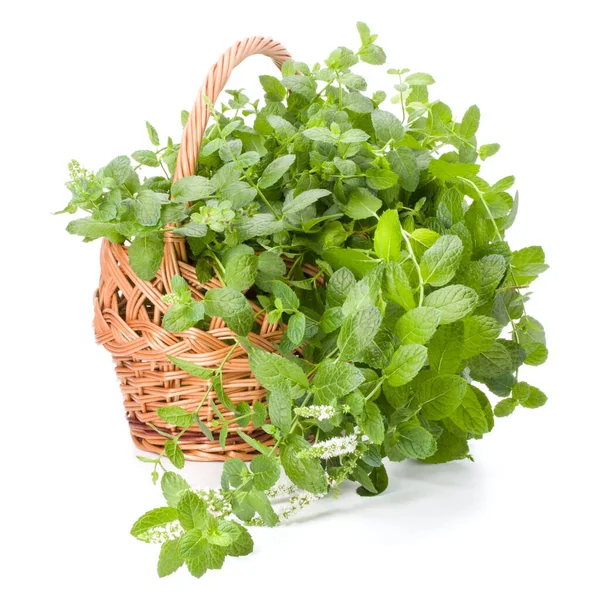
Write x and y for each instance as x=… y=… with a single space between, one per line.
x=416 y=312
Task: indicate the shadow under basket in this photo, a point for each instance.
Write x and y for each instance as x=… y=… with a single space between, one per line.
x=128 y=316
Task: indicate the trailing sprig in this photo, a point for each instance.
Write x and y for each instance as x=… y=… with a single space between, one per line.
x=400 y=324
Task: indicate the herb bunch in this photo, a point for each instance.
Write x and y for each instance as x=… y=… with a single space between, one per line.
x=414 y=313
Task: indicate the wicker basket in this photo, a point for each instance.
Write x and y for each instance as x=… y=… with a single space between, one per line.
x=128 y=314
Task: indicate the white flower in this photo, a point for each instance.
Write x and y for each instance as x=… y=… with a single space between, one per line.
x=331 y=448
x=162 y=533
x=320 y=413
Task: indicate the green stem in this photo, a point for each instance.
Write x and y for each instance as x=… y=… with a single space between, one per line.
x=416 y=264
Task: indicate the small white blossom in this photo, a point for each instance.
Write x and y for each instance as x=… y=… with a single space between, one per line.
x=320 y=413
x=336 y=446
x=217 y=505
x=162 y=533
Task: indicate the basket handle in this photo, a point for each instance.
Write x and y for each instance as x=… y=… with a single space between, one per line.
x=193 y=131
x=211 y=88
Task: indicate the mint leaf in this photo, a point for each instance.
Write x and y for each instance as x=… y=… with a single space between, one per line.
x=301 y=201
x=362 y=204
x=388 y=237
x=454 y=302
x=371 y=423
x=406 y=362
x=414 y=441
x=479 y=334
x=180 y=317
x=175 y=415
x=152 y=521
x=173 y=486
x=396 y=286
x=265 y=470
x=446 y=349
x=191 y=368
x=174 y=454
x=169 y=559
x=340 y=284
x=417 y=325
x=192 y=188
x=306 y=473
x=275 y=170
x=387 y=126
x=440 y=396
x=232 y=306
x=357 y=332
x=273 y=370
x=145 y=255
x=192 y=511
x=439 y=263
x=469 y=415
x=333 y=380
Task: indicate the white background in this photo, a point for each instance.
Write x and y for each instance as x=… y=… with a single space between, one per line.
x=78 y=81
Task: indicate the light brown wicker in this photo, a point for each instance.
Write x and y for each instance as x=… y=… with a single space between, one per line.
x=128 y=314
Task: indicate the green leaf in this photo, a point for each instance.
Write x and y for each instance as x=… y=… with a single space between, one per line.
x=419 y=79
x=296 y=329
x=491 y=363
x=93 y=230
x=470 y=122
x=146 y=157
x=191 y=368
x=173 y=486
x=439 y=263
x=273 y=87
x=301 y=201
x=118 y=169
x=388 y=237
x=287 y=296
x=454 y=302
x=354 y=136
x=357 y=332
x=414 y=441
x=445 y=349
x=169 y=559
x=402 y=160
x=174 y=454
x=273 y=370
x=306 y=473
x=505 y=407
x=340 y=284
x=265 y=470
x=258 y=446
x=406 y=362
x=396 y=286
x=154 y=139
x=449 y=447
x=417 y=325
x=175 y=415
x=259 y=501
x=241 y=269
x=232 y=306
x=362 y=204
x=535 y=399
x=193 y=544
x=279 y=402
x=192 y=188
x=440 y=396
x=275 y=171
x=364 y=293
x=333 y=380
x=372 y=54
x=379 y=482
x=381 y=179
x=452 y=171
x=358 y=103
x=527 y=264
x=469 y=415
x=154 y=520
x=487 y=150
x=356 y=261
x=300 y=84
x=192 y=511
x=181 y=317
x=242 y=544
x=387 y=126
x=371 y=423
x=145 y=255
x=320 y=134
x=480 y=333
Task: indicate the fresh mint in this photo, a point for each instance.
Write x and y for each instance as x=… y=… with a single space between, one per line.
x=414 y=311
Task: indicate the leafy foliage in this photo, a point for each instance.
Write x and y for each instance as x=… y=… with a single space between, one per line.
x=401 y=328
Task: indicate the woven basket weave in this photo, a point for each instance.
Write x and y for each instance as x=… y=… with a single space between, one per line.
x=128 y=314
